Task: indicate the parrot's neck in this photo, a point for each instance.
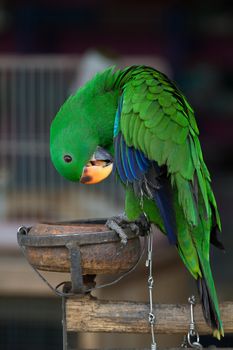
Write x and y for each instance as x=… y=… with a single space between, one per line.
x=101 y=97
x=100 y=112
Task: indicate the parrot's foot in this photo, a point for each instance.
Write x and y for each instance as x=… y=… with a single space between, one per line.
x=118 y=223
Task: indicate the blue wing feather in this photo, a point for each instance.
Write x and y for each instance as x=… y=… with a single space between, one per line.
x=133 y=163
x=118 y=161
x=125 y=160
x=140 y=161
x=117 y=117
x=164 y=203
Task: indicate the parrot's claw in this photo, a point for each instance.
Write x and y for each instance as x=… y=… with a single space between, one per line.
x=119 y=223
x=114 y=225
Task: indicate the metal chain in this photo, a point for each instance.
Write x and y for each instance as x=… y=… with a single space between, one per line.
x=151 y=315
x=192 y=338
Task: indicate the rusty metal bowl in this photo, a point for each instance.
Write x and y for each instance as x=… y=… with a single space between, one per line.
x=49 y=247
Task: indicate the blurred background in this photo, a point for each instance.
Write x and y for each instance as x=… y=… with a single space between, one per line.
x=47 y=50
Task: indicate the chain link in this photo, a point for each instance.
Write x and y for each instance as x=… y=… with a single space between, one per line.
x=151 y=315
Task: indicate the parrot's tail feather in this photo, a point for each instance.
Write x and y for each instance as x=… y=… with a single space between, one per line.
x=209 y=310
x=158 y=183
x=214 y=238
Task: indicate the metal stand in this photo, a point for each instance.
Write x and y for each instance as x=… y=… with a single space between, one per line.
x=88 y=314
x=64 y=329
x=79 y=284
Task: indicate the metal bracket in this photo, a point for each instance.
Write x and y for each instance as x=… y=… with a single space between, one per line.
x=73 y=243
x=75 y=268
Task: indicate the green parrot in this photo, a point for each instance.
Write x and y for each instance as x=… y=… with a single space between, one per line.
x=137 y=122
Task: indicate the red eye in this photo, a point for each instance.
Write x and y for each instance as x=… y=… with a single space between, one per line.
x=67 y=158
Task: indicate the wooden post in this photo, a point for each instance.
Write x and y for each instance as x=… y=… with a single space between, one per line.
x=87 y=314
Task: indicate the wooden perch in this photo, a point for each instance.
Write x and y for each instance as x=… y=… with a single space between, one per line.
x=88 y=314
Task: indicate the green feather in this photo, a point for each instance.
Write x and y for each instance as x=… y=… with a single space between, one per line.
x=144 y=105
x=141 y=138
x=155 y=115
x=193 y=123
x=180 y=119
x=156 y=150
x=187 y=104
x=162 y=125
x=137 y=107
x=139 y=77
x=138 y=97
x=138 y=82
x=194 y=154
x=171 y=110
x=205 y=171
x=150 y=82
x=186 y=200
x=186 y=247
x=214 y=204
x=202 y=185
x=198 y=148
x=150 y=113
x=181 y=135
x=154 y=89
x=179 y=161
x=165 y=99
x=151 y=96
x=135 y=129
x=169 y=130
x=169 y=88
x=147 y=140
x=127 y=105
x=141 y=89
x=125 y=122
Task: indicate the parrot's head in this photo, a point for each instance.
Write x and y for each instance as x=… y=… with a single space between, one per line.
x=81 y=138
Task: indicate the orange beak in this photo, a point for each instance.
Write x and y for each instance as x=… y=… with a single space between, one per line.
x=92 y=174
x=97 y=169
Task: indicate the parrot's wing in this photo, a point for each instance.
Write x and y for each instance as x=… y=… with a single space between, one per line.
x=155 y=118
x=155 y=129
